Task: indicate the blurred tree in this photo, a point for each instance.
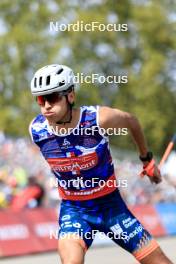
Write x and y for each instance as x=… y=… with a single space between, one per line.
x=145 y=53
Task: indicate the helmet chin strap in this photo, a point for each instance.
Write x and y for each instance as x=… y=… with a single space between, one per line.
x=70 y=106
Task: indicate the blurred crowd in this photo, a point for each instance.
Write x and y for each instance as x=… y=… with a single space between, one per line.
x=26 y=180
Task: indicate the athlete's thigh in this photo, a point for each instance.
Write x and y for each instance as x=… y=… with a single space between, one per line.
x=73 y=227
x=125 y=230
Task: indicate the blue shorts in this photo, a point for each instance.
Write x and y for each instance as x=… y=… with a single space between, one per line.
x=107 y=214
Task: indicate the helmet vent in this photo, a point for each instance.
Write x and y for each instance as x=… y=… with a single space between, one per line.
x=59 y=71
x=48 y=80
x=35 y=82
x=40 y=81
x=61 y=83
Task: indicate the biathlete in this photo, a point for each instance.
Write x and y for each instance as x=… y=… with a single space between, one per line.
x=85 y=159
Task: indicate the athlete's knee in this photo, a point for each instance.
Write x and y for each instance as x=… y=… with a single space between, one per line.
x=155 y=257
x=71 y=261
x=71 y=251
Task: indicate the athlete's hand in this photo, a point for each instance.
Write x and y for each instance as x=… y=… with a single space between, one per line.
x=152 y=171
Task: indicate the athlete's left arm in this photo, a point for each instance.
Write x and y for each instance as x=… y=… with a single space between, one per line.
x=115 y=118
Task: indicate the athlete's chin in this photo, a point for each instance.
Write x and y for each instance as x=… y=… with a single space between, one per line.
x=50 y=117
x=53 y=119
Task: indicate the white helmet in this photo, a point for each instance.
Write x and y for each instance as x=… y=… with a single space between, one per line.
x=52 y=78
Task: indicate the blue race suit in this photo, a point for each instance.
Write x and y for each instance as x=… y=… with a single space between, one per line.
x=91 y=201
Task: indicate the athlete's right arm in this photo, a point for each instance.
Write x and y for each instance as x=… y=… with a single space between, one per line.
x=30 y=130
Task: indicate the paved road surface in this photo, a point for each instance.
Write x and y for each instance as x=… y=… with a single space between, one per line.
x=103 y=255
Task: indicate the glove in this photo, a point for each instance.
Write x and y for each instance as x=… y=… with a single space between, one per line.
x=149 y=169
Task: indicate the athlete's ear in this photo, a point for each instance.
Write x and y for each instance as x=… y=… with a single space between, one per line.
x=71 y=97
